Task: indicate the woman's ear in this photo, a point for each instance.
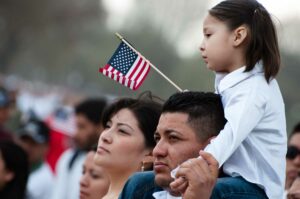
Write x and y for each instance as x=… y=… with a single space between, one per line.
x=147 y=162
x=240 y=35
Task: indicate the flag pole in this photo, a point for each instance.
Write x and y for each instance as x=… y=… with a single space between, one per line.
x=156 y=69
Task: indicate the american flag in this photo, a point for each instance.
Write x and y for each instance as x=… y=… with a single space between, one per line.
x=127 y=67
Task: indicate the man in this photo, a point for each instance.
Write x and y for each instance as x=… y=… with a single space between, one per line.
x=293 y=157
x=88 y=115
x=188 y=122
x=34 y=139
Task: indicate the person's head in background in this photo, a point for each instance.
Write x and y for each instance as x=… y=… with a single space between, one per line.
x=127 y=139
x=94 y=181
x=34 y=137
x=4 y=106
x=88 y=116
x=14 y=171
x=188 y=122
x=4 y=115
x=293 y=156
x=240 y=33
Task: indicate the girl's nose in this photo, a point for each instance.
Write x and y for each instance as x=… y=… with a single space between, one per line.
x=201 y=47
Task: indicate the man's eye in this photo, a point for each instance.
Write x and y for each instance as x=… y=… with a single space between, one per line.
x=173 y=138
x=107 y=126
x=156 y=138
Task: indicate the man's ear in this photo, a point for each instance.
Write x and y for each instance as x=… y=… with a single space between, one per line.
x=210 y=139
x=240 y=35
x=9 y=176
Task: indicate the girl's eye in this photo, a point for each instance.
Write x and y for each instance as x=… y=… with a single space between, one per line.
x=207 y=35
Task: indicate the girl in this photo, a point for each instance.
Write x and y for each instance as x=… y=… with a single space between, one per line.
x=240 y=45
x=127 y=140
x=94 y=182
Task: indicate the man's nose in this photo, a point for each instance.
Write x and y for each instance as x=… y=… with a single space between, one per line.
x=160 y=149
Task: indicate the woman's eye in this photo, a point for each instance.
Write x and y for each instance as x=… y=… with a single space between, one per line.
x=123 y=131
x=207 y=35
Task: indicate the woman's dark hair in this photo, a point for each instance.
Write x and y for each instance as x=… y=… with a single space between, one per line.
x=263 y=44
x=146 y=111
x=15 y=160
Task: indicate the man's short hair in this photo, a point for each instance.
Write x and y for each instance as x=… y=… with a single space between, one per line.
x=204 y=109
x=92 y=109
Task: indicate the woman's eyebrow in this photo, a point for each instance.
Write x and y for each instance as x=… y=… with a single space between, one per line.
x=121 y=124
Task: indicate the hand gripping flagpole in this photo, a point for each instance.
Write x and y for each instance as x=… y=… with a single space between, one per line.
x=157 y=70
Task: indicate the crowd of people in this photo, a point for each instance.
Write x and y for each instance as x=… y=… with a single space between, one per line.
x=228 y=144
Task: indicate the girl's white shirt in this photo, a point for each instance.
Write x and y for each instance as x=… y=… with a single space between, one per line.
x=253 y=142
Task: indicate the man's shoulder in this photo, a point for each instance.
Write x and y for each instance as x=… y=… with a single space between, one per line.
x=141 y=185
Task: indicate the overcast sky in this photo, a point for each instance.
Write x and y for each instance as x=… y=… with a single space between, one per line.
x=284 y=11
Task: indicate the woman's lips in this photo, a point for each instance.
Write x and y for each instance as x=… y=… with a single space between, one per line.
x=102 y=149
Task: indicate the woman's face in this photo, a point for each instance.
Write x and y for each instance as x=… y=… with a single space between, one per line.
x=121 y=146
x=5 y=175
x=94 y=182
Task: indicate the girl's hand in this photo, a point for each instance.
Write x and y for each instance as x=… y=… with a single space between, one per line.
x=196 y=177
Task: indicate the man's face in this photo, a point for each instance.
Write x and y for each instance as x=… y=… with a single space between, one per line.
x=36 y=151
x=87 y=133
x=176 y=142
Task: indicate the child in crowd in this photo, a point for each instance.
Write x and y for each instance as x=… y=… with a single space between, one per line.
x=240 y=45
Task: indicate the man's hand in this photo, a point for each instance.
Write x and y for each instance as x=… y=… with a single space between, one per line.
x=196 y=177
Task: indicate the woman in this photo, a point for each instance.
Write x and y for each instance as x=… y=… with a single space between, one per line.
x=14 y=170
x=94 y=182
x=127 y=140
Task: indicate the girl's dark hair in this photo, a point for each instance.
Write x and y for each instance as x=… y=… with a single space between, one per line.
x=15 y=160
x=146 y=111
x=263 y=44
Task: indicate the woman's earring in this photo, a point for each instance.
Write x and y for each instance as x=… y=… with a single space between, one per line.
x=143 y=167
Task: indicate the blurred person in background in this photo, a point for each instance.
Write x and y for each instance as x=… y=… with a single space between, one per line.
x=294 y=191
x=34 y=139
x=4 y=114
x=127 y=140
x=293 y=157
x=88 y=115
x=13 y=171
x=94 y=181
